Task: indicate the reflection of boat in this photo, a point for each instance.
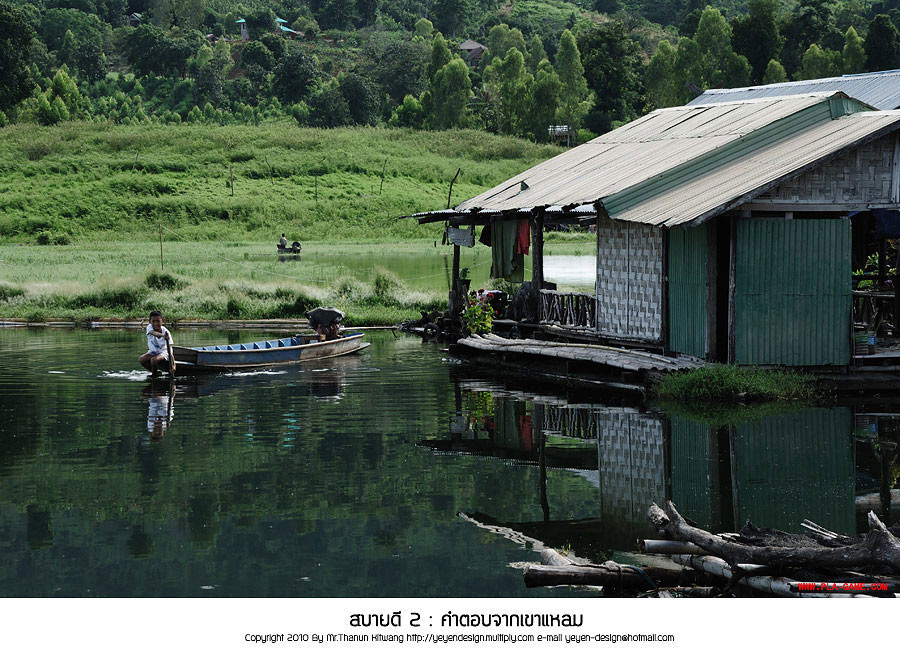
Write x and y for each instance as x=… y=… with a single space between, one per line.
x=264 y=353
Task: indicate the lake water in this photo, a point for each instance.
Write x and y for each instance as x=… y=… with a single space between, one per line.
x=431 y=268
x=386 y=473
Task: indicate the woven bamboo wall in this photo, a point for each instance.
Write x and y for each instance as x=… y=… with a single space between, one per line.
x=629 y=281
x=863 y=175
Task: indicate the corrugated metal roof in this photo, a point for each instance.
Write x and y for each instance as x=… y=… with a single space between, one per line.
x=713 y=192
x=637 y=152
x=881 y=90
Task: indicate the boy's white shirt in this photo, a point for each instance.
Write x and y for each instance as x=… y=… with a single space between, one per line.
x=157 y=345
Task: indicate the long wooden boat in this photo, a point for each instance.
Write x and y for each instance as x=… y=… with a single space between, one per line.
x=263 y=353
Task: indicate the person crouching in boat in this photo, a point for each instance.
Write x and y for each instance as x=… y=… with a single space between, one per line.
x=326 y=322
x=158 y=340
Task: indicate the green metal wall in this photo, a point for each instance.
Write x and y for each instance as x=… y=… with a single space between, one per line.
x=792 y=292
x=791 y=467
x=687 y=290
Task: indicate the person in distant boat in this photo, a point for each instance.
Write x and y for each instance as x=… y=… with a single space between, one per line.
x=158 y=340
x=282 y=244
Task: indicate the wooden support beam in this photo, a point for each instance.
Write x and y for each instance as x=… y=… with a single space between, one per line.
x=537 y=249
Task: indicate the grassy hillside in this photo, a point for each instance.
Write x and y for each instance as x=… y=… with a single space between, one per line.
x=80 y=181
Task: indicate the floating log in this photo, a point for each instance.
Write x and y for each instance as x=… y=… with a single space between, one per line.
x=880 y=547
x=621 y=576
x=780 y=586
x=668 y=547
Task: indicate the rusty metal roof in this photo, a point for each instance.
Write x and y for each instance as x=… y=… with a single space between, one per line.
x=881 y=90
x=683 y=164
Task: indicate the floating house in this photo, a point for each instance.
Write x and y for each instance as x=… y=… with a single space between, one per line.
x=724 y=229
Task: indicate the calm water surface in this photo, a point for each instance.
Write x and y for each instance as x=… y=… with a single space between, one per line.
x=380 y=474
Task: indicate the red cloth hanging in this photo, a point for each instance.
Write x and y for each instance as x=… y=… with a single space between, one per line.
x=523 y=241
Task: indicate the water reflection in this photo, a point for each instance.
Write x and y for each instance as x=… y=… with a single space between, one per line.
x=774 y=472
x=161 y=407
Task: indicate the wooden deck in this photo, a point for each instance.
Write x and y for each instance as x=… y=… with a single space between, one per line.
x=575 y=365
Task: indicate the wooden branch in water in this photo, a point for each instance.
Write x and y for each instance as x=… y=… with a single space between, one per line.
x=880 y=547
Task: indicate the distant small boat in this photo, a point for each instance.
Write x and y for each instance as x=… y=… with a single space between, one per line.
x=263 y=353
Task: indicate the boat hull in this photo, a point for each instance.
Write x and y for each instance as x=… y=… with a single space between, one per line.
x=258 y=354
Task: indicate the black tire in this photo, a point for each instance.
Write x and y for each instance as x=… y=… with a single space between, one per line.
x=431 y=329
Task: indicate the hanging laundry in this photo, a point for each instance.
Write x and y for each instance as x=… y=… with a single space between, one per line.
x=524 y=237
x=506 y=261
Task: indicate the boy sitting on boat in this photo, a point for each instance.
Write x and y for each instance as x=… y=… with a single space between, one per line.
x=158 y=340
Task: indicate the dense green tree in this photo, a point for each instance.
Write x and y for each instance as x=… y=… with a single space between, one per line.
x=501 y=38
x=409 y=114
x=774 y=73
x=328 y=108
x=54 y=24
x=811 y=22
x=612 y=65
x=424 y=28
x=545 y=94
x=511 y=82
x=451 y=15
x=337 y=15
x=275 y=44
x=256 y=53
x=816 y=64
x=15 y=36
x=440 y=56
x=853 y=57
x=398 y=66
x=64 y=89
x=260 y=22
x=367 y=10
x=295 y=76
x=757 y=37
x=882 y=44
x=720 y=66
x=150 y=50
x=536 y=53
x=210 y=81
x=574 y=97
x=362 y=99
x=450 y=91
x=660 y=78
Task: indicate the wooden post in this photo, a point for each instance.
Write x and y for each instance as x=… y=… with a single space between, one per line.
x=450 y=193
x=455 y=306
x=231 y=173
x=160 y=247
x=732 y=279
x=537 y=250
x=882 y=262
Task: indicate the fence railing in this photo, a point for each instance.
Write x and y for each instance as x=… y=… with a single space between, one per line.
x=568 y=309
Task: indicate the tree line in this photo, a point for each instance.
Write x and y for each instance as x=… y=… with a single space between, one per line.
x=369 y=62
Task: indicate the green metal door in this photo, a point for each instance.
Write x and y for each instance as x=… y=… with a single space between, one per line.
x=792 y=292
x=687 y=290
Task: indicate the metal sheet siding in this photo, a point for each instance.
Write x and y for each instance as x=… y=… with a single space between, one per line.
x=687 y=290
x=792 y=467
x=881 y=90
x=792 y=292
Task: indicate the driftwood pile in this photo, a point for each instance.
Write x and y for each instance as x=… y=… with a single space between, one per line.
x=774 y=562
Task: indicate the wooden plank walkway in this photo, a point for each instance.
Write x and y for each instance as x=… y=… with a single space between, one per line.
x=629 y=360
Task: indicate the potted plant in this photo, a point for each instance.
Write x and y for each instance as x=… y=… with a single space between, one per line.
x=477 y=317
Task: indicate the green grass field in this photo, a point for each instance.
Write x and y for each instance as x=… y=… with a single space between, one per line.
x=237 y=280
x=93 y=181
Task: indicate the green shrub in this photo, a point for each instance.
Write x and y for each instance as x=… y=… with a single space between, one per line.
x=159 y=280
x=125 y=296
x=386 y=284
x=43 y=239
x=9 y=291
x=348 y=287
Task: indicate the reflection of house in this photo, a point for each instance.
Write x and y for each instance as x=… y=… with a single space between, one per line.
x=723 y=230
x=473 y=52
